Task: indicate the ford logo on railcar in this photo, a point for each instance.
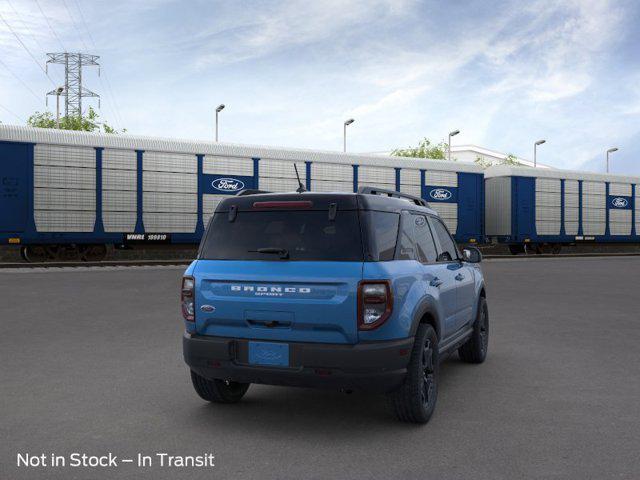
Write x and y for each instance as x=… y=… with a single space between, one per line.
x=619 y=202
x=228 y=184
x=440 y=194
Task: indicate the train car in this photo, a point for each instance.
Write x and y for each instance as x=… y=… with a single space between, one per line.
x=540 y=210
x=67 y=193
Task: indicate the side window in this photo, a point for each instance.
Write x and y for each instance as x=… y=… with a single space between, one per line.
x=384 y=229
x=424 y=241
x=406 y=241
x=448 y=251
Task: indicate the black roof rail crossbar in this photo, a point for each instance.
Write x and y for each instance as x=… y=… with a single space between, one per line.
x=392 y=193
x=250 y=191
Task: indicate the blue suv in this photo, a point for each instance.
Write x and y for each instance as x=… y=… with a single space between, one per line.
x=351 y=291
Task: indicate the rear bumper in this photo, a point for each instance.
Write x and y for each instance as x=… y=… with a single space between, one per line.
x=369 y=366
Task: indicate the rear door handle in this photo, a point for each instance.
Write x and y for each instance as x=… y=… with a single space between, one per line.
x=459 y=277
x=436 y=282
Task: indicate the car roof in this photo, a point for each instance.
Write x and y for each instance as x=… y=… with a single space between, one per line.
x=321 y=201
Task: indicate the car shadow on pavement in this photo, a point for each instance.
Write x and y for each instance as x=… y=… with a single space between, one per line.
x=303 y=411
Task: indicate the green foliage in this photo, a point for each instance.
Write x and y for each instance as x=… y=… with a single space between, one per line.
x=483 y=163
x=510 y=159
x=425 y=149
x=87 y=123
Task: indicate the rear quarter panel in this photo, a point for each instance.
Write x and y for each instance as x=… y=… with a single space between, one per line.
x=411 y=293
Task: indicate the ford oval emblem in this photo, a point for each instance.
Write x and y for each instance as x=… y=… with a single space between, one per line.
x=228 y=184
x=208 y=308
x=620 y=202
x=440 y=194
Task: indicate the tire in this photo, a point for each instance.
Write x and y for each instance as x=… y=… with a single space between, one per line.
x=35 y=253
x=218 y=391
x=475 y=350
x=415 y=400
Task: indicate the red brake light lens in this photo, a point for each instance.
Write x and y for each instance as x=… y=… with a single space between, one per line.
x=187 y=298
x=375 y=303
x=297 y=204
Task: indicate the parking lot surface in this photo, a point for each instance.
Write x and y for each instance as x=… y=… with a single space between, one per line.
x=92 y=363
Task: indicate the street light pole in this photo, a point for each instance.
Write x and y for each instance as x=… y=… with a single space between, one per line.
x=535 y=152
x=451 y=134
x=219 y=108
x=611 y=150
x=344 y=133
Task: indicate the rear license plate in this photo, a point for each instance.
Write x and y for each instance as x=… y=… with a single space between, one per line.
x=266 y=353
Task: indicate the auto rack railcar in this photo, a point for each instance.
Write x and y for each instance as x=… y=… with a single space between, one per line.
x=543 y=209
x=77 y=192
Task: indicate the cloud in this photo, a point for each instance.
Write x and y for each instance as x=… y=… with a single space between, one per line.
x=278 y=26
x=554 y=54
x=396 y=99
x=291 y=72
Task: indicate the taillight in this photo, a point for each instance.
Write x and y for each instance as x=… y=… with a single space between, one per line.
x=375 y=303
x=187 y=298
x=293 y=204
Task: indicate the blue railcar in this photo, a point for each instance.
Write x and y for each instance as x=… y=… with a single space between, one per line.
x=75 y=193
x=543 y=209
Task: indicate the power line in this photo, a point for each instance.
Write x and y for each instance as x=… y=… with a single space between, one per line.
x=27 y=49
x=115 y=102
x=50 y=27
x=26 y=27
x=73 y=22
x=110 y=97
x=85 y=23
x=12 y=113
x=20 y=80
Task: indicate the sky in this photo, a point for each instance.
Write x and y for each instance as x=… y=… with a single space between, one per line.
x=505 y=73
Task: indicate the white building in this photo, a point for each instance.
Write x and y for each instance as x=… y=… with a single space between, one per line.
x=469 y=154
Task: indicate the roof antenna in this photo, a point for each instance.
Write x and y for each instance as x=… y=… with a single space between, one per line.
x=300 y=188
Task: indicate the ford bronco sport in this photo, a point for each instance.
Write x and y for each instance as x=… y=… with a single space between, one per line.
x=352 y=291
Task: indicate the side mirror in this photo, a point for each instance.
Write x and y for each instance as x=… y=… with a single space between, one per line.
x=444 y=257
x=472 y=255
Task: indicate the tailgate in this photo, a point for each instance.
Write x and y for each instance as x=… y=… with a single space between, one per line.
x=298 y=301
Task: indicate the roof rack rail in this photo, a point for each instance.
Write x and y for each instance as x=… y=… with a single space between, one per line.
x=250 y=191
x=392 y=193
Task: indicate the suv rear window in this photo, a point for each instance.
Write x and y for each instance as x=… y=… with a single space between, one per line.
x=304 y=235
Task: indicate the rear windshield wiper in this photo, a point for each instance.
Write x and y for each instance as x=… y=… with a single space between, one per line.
x=283 y=252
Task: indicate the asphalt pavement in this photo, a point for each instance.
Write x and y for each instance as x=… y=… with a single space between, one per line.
x=92 y=363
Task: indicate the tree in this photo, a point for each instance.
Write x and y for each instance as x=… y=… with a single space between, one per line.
x=510 y=159
x=425 y=149
x=86 y=123
x=482 y=162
